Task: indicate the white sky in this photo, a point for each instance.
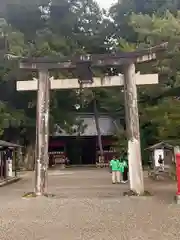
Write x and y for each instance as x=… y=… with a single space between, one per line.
x=106 y=3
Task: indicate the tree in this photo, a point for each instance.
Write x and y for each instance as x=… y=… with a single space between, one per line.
x=88 y=97
x=80 y=28
x=67 y=28
x=122 y=10
x=156 y=29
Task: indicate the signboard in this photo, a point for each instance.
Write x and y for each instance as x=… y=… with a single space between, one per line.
x=9 y=171
x=59 y=159
x=157 y=153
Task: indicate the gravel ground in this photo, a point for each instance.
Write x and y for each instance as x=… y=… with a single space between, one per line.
x=88 y=207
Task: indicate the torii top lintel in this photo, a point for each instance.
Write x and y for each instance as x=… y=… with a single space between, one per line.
x=97 y=60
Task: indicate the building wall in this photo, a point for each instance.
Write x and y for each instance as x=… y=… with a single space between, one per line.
x=81 y=150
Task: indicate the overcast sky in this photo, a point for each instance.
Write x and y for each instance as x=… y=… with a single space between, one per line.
x=106 y=3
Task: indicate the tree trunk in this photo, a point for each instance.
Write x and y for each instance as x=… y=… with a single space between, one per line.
x=132 y=128
x=96 y=116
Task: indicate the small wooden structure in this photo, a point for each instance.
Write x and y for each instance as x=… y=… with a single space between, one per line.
x=165 y=150
x=8 y=159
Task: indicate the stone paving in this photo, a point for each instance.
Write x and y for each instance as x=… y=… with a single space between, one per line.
x=88 y=207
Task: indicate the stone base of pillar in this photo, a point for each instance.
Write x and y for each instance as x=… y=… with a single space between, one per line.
x=177 y=199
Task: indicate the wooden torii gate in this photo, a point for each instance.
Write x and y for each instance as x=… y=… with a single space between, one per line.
x=130 y=79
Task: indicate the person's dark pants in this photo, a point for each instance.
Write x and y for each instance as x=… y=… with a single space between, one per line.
x=125 y=174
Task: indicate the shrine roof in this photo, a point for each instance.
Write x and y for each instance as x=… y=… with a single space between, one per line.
x=160 y=145
x=8 y=144
x=106 y=123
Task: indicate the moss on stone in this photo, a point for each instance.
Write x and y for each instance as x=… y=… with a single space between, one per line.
x=33 y=195
x=133 y=193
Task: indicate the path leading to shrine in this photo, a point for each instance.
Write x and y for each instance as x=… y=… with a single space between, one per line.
x=88 y=207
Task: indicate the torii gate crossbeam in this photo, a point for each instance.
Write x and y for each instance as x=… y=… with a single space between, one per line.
x=106 y=82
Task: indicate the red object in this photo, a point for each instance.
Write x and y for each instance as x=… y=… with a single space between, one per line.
x=56 y=143
x=178 y=173
x=105 y=142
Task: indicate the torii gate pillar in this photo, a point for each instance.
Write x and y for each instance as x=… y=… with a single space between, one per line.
x=42 y=132
x=132 y=130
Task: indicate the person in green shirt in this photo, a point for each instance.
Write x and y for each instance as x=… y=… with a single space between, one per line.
x=125 y=164
x=115 y=166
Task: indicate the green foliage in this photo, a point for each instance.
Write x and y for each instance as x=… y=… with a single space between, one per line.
x=121 y=141
x=71 y=27
x=163 y=112
x=168 y=125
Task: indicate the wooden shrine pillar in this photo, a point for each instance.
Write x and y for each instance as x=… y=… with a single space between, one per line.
x=132 y=129
x=42 y=132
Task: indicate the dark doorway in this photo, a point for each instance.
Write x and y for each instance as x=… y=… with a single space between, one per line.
x=89 y=151
x=81 y=150
x=73 y=151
